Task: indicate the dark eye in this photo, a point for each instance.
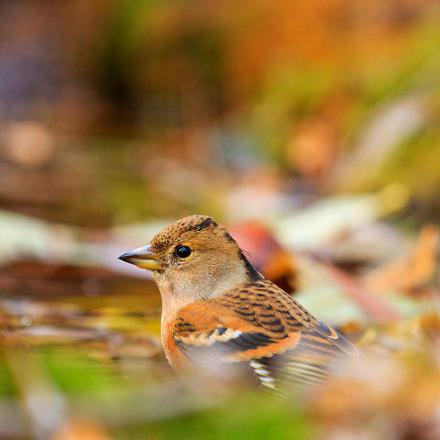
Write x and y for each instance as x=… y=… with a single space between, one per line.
x=183 y=251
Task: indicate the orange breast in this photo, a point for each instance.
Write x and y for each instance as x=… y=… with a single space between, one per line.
x=175 y=357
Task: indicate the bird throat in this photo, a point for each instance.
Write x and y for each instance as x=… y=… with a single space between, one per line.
x=179 y=291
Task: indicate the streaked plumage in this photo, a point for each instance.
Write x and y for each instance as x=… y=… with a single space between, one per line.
x=218 y=308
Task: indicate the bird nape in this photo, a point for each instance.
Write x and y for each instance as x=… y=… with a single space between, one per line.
x=218 y=310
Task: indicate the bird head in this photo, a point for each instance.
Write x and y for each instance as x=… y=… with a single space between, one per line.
x=194 y=256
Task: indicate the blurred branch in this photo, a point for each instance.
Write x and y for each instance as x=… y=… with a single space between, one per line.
x=370 y=303
x=43 y=405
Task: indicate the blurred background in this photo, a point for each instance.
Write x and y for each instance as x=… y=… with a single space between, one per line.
x=309 y=128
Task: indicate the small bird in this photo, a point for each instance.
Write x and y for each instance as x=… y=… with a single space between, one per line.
x=217 y=307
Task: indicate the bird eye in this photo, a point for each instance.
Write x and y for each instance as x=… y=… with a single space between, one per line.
x=183 y=251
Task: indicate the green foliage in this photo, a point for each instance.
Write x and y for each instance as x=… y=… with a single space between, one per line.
x=251 y=416
x=7 y=388
x=74 y=373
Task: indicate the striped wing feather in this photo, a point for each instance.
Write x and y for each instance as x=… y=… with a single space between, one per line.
x=262 y=325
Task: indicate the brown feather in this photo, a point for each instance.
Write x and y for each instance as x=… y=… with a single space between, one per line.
x=216 y=306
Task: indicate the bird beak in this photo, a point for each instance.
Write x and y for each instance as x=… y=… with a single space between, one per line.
x=142 y=257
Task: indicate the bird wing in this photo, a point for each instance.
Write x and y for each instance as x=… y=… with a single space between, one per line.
x=260 y=324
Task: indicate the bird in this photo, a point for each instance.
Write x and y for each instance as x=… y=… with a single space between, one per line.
x=218 y=308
